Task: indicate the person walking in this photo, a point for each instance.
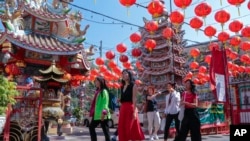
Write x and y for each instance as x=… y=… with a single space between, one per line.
x=129 y=126
x=153 y=115
x=172 y=109
x=191 y=120
x=99 y=110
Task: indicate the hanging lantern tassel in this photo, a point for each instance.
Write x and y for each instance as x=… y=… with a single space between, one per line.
x=222 y=26
x=220 y=2
x=128 y=11
x=197 y=31
x=238 y=6
x=204 y=19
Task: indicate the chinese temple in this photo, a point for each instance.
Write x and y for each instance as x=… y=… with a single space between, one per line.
x=36 y=33
x=162 y=63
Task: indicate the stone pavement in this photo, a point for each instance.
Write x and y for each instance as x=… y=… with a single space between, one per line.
x=82 y=134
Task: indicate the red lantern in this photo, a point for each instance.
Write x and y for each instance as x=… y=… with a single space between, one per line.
x=248 y=5
x=245 y=32
x=189 y=75
x=228 y=51
x=121 y=48
x=245 y=46
x=110 y=55
x=155 y=8
x=202 y=69
x=136 y=52
x=138 y=64
x=196 y=23
x=112 y=64
x=196 y=81
x=202 y=10
x=99 y=61
x=94 y=72
x=123 y=58
x=127 y=3
x=222 y=17
x=208 y=59
x=12 y=69
x=117 y=70
x=233 y=55
x=213 y=46
x=103 y=69
x=135 y=37
x=194 y=65
x=235 y=26
x=151 y=26
x=194 y=52
x=210 y=31
x=235 y=41
x=150 y=44
x=245 y=58
x=138 y=82
x=67 y=76
x=237 y=3
x=176 y=17
x=168 y=33
x=182 y=3
x=126 y=65
x=223 y=36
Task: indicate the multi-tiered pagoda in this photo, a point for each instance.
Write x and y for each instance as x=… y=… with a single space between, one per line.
x=164 y=63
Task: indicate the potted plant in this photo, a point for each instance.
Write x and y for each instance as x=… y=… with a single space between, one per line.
x=7 y=96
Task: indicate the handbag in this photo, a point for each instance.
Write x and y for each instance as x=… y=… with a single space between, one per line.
x=182 y=109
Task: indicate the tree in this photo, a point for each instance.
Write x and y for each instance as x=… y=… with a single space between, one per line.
x=7 y=93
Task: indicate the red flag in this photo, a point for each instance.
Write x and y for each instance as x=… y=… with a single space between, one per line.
x=218 y=75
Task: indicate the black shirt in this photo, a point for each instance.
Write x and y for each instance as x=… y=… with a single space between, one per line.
x=127 y=95
x=152 y=104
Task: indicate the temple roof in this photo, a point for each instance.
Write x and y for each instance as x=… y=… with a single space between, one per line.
x=44 y=14
x=40 y=43
x=52 y=69
x=51 y=78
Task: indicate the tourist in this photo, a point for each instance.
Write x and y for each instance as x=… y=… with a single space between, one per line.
x=153 y=115
x=172 y=109
x=129 y=126
x=191 y=120
x=99 y=110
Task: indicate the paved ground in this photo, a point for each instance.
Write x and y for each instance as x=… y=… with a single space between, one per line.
x=82 y=134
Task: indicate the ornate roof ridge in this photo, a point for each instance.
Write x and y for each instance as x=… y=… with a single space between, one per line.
x=53 y=69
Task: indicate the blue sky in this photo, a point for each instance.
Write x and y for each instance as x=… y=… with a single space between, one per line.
x=110 y=33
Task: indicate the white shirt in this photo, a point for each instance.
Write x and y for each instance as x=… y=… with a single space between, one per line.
x=174 y=106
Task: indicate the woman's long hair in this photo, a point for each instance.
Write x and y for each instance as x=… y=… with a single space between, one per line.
x=173 y=84
x=102 y=82
x=192 y=86
x=131 y=77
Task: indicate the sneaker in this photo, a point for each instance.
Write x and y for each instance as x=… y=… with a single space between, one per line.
x=156 y=137
x=151 y=138
x=114 y=138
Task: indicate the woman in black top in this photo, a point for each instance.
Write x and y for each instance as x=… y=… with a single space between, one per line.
x=129 y=126
x=153 y=115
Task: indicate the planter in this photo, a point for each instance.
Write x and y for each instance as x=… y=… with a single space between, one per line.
x=2 y=122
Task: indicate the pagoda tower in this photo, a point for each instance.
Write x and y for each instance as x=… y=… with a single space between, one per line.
x=164 y=63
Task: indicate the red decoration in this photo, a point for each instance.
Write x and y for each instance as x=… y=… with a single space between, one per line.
x=135 y=37
x=127 y=3
x=138 y=82
x=248 y=5
x=208 y=59
x=123 y=58
x=245 y=46
x=112 y=64
x=126 y=65
x=213 y=46
x=103 y=69
x=235 y=41
x=12 y=69
x=110 y=55
x=196 y=23
x=94 y=72
x=150 y=44
x=117 y=70
x=189 y=75
x=202 y=69
x=121 y=48
x=237 y=3
x=196 y=81
x=194 y=65
x=245 y=32
x=245 y=58
x=222 y=17
x=235 y=26
x=168 y=33
x=67 y=76
x=210 y=31
x=176 y=17
x=151 y=26
x=203 y=9
x=138 y=64
x=136 y=52
x=182 y=3
x=194 y=52
x=99 y=61
x=223 y=36
x=155 y=8
x=233 y=55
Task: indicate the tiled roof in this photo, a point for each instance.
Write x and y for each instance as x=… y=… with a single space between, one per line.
x=42 y=44
x=44 y=14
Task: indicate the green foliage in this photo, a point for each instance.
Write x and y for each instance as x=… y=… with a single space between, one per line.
x=78 y=113
x=7 y=93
